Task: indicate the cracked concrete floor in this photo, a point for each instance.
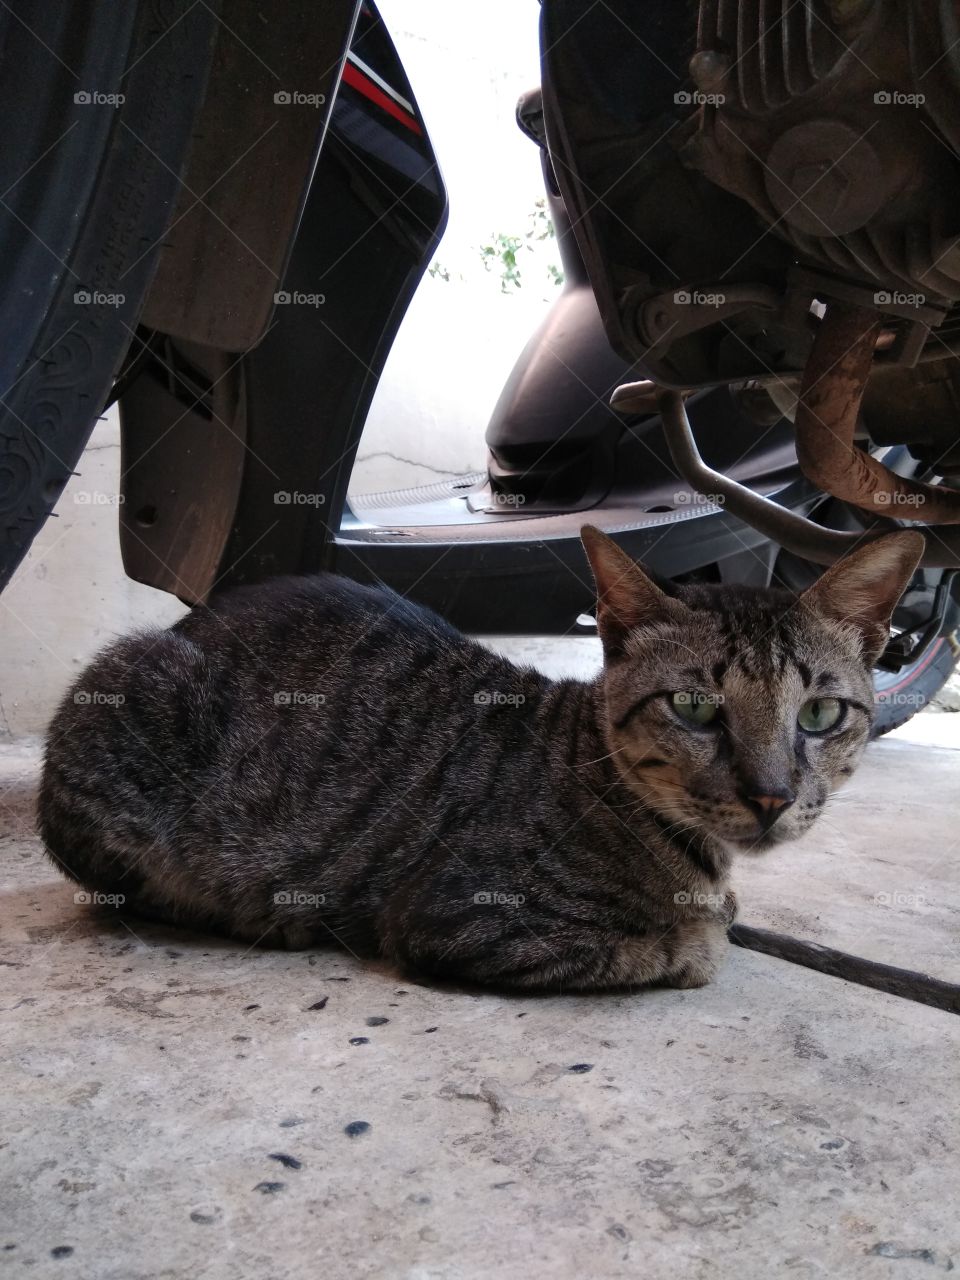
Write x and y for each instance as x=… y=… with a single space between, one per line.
x=173 y=1107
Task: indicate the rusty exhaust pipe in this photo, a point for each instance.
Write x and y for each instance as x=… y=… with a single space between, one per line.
x=831 y=393
x=793 y=532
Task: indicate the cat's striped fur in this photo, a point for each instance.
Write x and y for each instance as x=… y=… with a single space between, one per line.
x=312 y=761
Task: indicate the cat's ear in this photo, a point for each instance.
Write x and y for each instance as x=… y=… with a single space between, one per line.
x=626 y=597
x=864 y=587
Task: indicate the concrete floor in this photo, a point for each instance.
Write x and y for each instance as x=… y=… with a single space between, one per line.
x=173 y=1107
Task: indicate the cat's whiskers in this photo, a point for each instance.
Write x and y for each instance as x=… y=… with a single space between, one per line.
x=644 y=808
x=609 y=756
x=682 y=831
x=650 y=794
x=652 y=800
x=661 y=780
x=686 y=821
x=679 y=822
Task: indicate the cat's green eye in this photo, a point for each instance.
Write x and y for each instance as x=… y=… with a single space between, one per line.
x=820 y=714
x=695 y=708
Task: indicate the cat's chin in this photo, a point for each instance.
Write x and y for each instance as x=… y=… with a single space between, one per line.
x=756 y=845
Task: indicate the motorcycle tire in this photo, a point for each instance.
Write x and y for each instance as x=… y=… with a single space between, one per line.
x=899 y=696
x=99 y=102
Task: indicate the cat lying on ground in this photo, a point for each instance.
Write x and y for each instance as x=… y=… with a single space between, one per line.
x=312 y=761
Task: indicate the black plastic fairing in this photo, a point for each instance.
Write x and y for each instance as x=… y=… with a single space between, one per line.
x=374 y=214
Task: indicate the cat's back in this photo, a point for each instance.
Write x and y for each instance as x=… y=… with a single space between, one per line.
x=214 y=674
x=297 y=611
x=229 y=674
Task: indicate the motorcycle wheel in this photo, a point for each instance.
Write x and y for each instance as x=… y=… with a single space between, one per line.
x=901 y=694
x=99 y=102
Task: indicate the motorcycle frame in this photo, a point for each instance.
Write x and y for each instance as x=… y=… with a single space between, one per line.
x=211 y=437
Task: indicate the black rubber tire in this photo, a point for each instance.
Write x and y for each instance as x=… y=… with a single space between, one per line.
x=88 y=188
x=898 y=698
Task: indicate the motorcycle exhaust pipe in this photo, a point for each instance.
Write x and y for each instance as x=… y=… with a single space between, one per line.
x=793 y=532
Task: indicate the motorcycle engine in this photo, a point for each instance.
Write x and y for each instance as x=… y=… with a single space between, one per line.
x=839 y=125
x=730 y=165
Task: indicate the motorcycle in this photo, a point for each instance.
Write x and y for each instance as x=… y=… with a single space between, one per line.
x=751 y=366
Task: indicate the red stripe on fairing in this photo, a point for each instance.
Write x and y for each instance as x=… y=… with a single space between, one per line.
x=357 y=80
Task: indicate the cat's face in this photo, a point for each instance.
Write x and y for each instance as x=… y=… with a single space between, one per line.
x=737 y=711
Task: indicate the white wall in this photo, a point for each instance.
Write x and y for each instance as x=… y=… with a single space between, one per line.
x=460 y=339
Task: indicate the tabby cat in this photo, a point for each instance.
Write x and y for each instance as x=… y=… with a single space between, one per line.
x=314 y=761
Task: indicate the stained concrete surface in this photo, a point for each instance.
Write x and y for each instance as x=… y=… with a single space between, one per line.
x=172 y=1106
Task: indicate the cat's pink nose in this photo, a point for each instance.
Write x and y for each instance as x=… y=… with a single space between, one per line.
x=772 y=804
x=768 y=804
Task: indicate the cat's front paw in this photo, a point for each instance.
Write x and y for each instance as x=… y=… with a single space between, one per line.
x=702 y=948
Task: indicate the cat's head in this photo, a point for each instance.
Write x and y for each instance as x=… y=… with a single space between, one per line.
x=736 y=710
